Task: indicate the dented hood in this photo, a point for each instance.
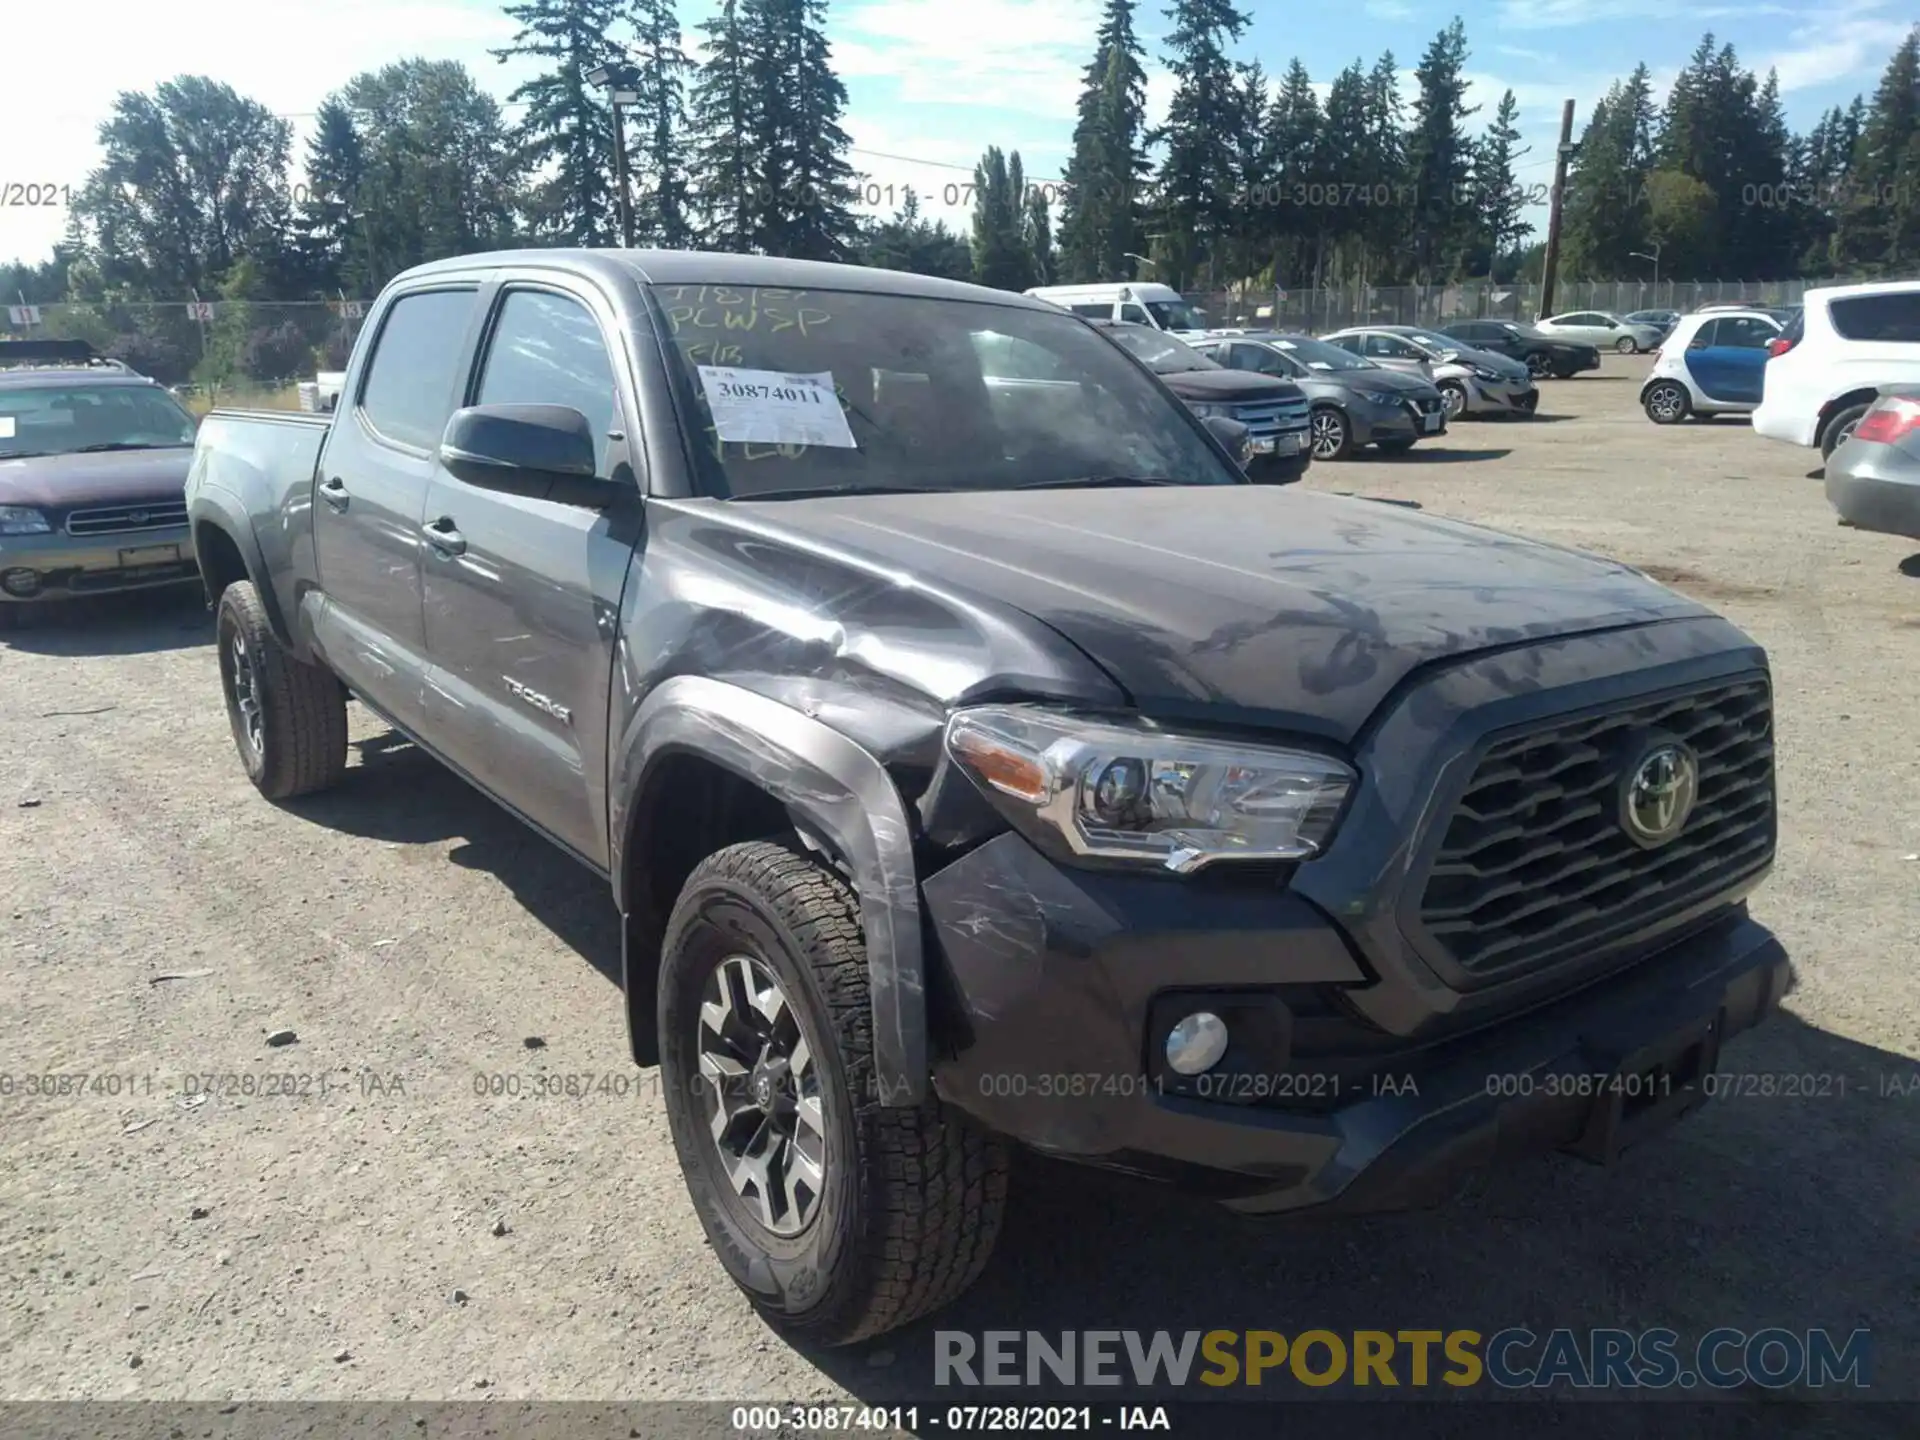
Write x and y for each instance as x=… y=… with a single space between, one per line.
x=1242 y=604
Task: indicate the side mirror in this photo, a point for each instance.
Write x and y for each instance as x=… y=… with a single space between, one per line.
x=542 y=452
x=1232 y=434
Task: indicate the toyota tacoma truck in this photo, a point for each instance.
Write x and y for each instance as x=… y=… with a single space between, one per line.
x=974 y=770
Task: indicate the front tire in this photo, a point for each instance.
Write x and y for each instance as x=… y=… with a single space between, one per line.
x=1453 y=395
x=1332 y=435
x=1667 y=403
x=289 y=719
x=839 y=1218
x=1539 y=366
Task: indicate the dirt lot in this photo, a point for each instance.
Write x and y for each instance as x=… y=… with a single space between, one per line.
x=390 y=1231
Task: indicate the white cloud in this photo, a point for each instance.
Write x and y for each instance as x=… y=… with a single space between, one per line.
x=1560 y=14
x=50 y=109
x=1840 y=48
x=1016 y=55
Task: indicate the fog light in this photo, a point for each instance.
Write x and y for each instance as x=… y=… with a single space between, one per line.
x=1195 y=1045
x=20 y=582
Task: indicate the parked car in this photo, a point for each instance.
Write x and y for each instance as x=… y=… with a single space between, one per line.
x=1274 y=411
x=939 y=741
x=1830 y=363
x=1873 y=476
x=1712 y=364
x=1601 y=330
x=93 y=463
x=1160 y=307
x=1471 y=382
x=1661 y=321
x=1355 y=402
x=1540 y=353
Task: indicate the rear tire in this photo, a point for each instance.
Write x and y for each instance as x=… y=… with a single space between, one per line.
x=1667 y=402
x=1626 y=345
x=1839 y=428
x=909 y=1202
x=288 y=718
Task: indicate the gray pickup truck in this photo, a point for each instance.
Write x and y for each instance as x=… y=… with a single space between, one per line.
x=976 y=767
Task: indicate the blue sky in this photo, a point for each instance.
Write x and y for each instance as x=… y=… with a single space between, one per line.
x=932 y=81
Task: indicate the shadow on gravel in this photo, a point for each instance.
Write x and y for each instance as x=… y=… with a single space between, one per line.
x=139 y=624
x=1766 y=1208
x=400 y=794
x=1910 y=567
x=1421 y=455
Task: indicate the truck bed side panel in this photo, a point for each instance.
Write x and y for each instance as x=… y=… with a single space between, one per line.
x=253 y=475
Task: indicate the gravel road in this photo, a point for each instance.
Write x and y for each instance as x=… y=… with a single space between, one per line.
x=394 y=1203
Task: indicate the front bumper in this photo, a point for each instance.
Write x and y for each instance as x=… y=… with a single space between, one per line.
x=1057 y=988
x=1502 y=397
x=1875 y=487
x=65 y=567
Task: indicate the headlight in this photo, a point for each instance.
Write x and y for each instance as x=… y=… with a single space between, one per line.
x=1208 y=412
x=1130 y=793
x=19 y=520
x=1379 y=397
x=1485 y=374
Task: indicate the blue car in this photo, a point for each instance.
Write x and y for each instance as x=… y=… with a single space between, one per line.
x=1711 y=364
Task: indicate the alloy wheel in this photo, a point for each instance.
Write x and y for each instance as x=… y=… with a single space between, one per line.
x=1329 y=435
x=1455 y=399
x=246 y=692
x=1667 y=402
x=762 y=1090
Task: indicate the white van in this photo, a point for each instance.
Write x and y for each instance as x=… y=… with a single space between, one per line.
x=1160 y=306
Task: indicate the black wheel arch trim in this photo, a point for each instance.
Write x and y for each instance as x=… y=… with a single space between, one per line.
x=216 y=510
x=832 y=787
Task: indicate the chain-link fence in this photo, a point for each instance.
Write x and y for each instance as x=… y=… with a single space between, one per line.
x=1318 y=311
x=220 y=351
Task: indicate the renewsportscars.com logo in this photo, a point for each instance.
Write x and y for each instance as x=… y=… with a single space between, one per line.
x=1510 y=1359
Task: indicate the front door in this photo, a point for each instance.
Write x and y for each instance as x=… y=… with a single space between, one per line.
x=522 y=595
x=1731 y=366
x=371 y=490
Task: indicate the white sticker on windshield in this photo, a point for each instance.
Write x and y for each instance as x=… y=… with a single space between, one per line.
x=6 y=427
x=1318 y=365
x=768 y=407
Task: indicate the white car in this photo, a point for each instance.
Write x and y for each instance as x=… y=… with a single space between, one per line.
x=1712 y=364
x=1595 y=327
x=1133 y=303
x=1829 y=363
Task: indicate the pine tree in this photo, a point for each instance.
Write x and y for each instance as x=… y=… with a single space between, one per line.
x=1250 y=249
x=1292 y=131
x=1879 y=224
x=1001 y=257
x=816 y=222
x=725 y=117
x=568 y=126
x=1196 y=181
x=1440 y=158
x=1605 y=206
x=661 y=209
x=1498 y=202
x=910 y=242
x=1037 y=232
x=1342 y=150
x=325 y=230
x=1384 y=198
x=1100 y=211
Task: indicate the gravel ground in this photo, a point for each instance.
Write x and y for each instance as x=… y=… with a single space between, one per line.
x=387 y=1230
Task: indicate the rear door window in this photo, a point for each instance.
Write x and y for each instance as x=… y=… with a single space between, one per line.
x=409 y=390
x=1893 y=318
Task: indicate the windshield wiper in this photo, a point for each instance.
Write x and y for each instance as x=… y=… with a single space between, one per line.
x=816 y=492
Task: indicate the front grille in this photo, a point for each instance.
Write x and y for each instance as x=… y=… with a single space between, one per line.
x=1425 y=405
x=1267 y=419
x=1536 y=865
x=122 y=519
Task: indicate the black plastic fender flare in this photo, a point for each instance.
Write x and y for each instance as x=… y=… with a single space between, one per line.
x=829 y=784
x=225 y=513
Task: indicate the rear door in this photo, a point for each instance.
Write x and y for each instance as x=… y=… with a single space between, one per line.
x=374 y=473
x=522 y=649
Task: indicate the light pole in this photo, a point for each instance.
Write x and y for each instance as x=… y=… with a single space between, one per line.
x=1655 y=258
x=621 y=82
x=1150 y=264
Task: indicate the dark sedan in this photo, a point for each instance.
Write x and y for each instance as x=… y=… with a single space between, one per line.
x=1539 y=352
x=1355 y=402
x=1873 y=476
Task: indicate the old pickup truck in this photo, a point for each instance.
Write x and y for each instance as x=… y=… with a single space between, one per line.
x=973 y=769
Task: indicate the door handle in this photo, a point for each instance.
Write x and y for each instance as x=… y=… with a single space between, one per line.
x=334 y=492
x=443 y=537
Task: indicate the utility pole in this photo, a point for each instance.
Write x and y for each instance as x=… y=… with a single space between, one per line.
x=620 y=172
x=1550 y=264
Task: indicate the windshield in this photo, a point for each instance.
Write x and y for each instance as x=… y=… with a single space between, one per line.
x=1162 y=354
x=1176 y=314
x=1318 y=355
x=1434 y=340
x=821 y=390
x=66 y=419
